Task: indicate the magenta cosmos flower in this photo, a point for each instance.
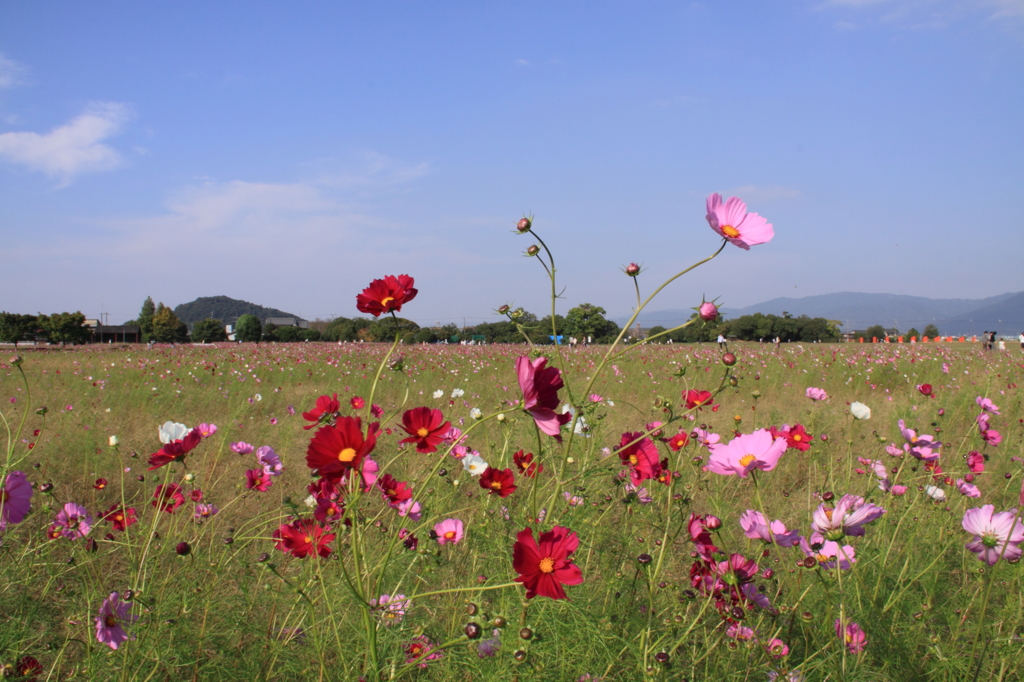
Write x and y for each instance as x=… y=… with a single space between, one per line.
x=113 y=612
x=743 y=454
x=449 y=530
x=14 y=499
x=540 y=385
x=731 y=220
x=846 y=518
x=994 y=532
x=987 y=405
x=756 y=528
x=816 y=393
x=853 y=636
x=73 y=521
x=828 y=553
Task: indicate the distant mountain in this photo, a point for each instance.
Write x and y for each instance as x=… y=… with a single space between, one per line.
x=225 y=309
x=859 y=311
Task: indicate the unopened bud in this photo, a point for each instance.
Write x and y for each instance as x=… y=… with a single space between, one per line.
x=632 y=269
x=502 y=310
x=532 y=250
x=15 y=361
x=712 y=522
x=183 y=549
x=728 y=359
x=524 y=225
x=113 y=440
x=708 y=311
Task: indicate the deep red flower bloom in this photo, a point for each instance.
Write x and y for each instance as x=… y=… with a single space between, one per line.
x=641 y=457
x=926 y=389
x=330 y=510
x=678 y=441
x=303 y=537
x=27 y=669
x=175 y=451
x=324 y=406
x=798 y=438
x=385 y=295
x=698 y=399
x=395 y=491
x=527 y=467
x=425 y=428
x=540 y=385
x=169 y=498
x=100 y=484
x=499 y=481
x=120 y=517
x=196 y=495
x=336 y=449
x=545 y=568
x=258 y=479
x=700 y=535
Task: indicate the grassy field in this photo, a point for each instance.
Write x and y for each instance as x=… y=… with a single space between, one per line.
x=652 y=602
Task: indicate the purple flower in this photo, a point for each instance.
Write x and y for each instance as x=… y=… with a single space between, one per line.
x=73 y=521
x=205 y=511
x=987 y=405
x=489 y=647
x=967 y=489
x=14 y=499
x=113 y=612
x=996 y=535
x=847 y=518
x=269 y=460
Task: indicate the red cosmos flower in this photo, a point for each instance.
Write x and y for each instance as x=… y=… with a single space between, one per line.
x=324 y=405
x=27 y=669
x=499 y=481
x=385 y=295
x=678 y=441
x=330 y=510
x=798 y=438
x=176 y=450
x=100 y=484
x=336 y=449
x=926 y=389
x=303 y=537
x=699 y=399
x=540 y=386
x=168 y=499
x=700 y=535
x=395 y=491
x=545 y=568
x=258 y=479
x=663 y=474
x=424 y=428
x=527 y=467
x=120 y=517
x=641 y=457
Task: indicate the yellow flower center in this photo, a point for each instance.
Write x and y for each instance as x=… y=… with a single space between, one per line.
x=747 y=460
x=386 y=300
x=633 y=459
x=450 y=535
x=547 y=565
x=346 y=455
x=796 y=437
x=422 y=431
x=730 y=231
x=308 y=539
x=496 y=485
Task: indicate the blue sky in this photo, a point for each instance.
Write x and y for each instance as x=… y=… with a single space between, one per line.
x=288 y=153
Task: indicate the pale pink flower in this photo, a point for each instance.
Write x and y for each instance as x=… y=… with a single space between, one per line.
x=848 y=517
x=449 y=530
x=816 y=393
x=731 y=220
x=827 y=552
x=755 y=528
x=242 y=448
x=740 y=632
x=744 y=453
x=392 y=608
x=967 y=489
x=207 y=430
x=993 y=532
x=705 y=438
x=987 y=405
x=410 y=508
x=113 y=612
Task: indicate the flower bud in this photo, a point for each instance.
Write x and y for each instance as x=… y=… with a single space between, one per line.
x=708 y=311
x=190 y=477
x=712 y=522
x=183 y=549
x=532 y=250
x=524 y=225
x=728 y=359
x=632 y=270
x=526 y=633
x=46 y=488
x=644 y=559
x=42 y=411
x=503 y=309
x=472 y=630
x=15 y=361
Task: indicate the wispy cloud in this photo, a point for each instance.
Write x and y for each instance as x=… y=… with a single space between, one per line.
x=754 y=193
x=935 y=13
x=10 y=72
x=73 y=148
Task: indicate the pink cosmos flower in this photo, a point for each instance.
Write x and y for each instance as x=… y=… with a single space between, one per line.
x=777 y=648
x=392 y=608
x=922 y=447
x=14 y=499
x=410 y=508
x=540 y=385
x=816 y=393
x=744 y=453
x=357 y=403
x=755 y=528
x=73 y=521
x=898 y=490
x=967 y=489
x=449 y=530
x=975 y=461
x=740 y=632
x=258 y=479
x=731 y=220
x=269 y=460
x=994 y=532
x=852 y=635
x=987 y=405
x=706 y=438
x=242 y=448
x=827 y=552
x=992 y=437
x=205 y=511
x=848 y=517
x=113 y=612
x=207 y=430
x=377 y=411
x=595 y=398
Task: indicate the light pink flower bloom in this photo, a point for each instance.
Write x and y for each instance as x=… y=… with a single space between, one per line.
x=595 y=398
x=987 y=405
x=852 y=635
x=744 y=453
x=269 y=460
x=205 y=511
x=242 y=448
x=113 y=612
x=816 y=393
x=992 y=437
x=207 y=430
x=731 y=220
x=755 y=528
x=740 y=632
x=705 y=438
x=922 y=447
x=392 y=608
x=992 y=532
x=898 y=490
x=449 y=530
x=73 y=521
x=847 y=518
x=14 y=499
x=967 y=489
x=410 y=508
x=827 y=552
x=777 y=648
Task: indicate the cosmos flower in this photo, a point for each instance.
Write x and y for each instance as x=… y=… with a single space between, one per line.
x=699 y=400
x=641 y=457
x=987 y=405
x=449 y=530
x=744 y=453
x=474 y=464
x=731 y=220
x=336 y=449
x=242 y=448
x=426 y=428
x=175 y=450
x=391 y=608
x=257 y=479
x=113 y=612
x=73 y=521
x=498 y=481
x=996 y=535
x=860 y=411
x=15 y=499
x=205 y=511
x=171 y=431
x=167 y=499
x=816 y=393
x=525 y=464
x=848 y=517
x=543 y=568
x=386 y=295
x=120 y=517
x=420 y=650
x=325 y=408
x=828 y=553
x=269 y=460
x=304 y=537
x=540 y=385
x=756 y=528
x=852 y=635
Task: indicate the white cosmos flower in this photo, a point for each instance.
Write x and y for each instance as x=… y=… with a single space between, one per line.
x=114 y=441
x=172 y=431
x=935 y=493
x=860 y=411
x=475 y=413
x=309 y=502
x=438 y=394
x=258 y=397
x=458 y=393
x=474 y=465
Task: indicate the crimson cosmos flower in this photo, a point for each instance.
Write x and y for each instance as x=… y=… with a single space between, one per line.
x=500 y=481
x=395 y=491
x=303 y=537
x=324 y=405
x=175 y=451
x=168 y=499
x=527 y=467
x=120 y=517
x=338 y=448
x=641 y=458
x=424 y=428
x=545 y=568
x=386 y=295
x=798 y=438
x=540 y=385
x=698 y=399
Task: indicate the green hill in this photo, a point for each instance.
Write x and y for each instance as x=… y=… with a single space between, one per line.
x=225 y=309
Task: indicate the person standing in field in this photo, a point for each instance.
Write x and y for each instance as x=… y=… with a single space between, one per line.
x=1021 y=339
x=722 y=343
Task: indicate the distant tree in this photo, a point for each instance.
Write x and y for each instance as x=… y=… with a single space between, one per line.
x=345 y=329
x=913 y=333
x=270 y=332
x=248 y=328
x=145 y=319
x=653 y=331
x=386 y=328
x=15 y=327
x=425 y=336
x=587 y=320
x=64 y=328
x=291 y=334
x=167 y=328
x=931 y=330
x=877 y=331
x=208 y=331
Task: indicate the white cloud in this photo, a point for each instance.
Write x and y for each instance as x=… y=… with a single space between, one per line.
x=754 y=193
x=935 y=13
x=10 y=71
x=73 y=148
